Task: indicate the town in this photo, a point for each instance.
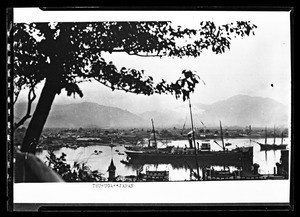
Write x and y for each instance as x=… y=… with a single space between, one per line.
x=55 y=138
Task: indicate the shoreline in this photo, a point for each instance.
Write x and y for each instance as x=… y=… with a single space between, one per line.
x=122 y=142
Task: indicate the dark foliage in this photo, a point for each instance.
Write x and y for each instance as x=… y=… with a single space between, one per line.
x=75 y=49
x=65 y=54
x=77 y=173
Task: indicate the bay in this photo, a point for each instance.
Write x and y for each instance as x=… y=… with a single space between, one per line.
x=99 y=157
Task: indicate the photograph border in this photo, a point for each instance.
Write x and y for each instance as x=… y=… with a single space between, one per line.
x=42 y=207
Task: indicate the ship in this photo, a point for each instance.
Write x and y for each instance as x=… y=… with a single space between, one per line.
x=194 y=154
x=274 y=146
x=267 y=147
x=177 y=155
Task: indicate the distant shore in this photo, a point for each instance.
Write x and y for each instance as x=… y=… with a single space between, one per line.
x=166 y=140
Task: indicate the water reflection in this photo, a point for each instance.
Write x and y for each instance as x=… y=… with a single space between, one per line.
x=266 y=155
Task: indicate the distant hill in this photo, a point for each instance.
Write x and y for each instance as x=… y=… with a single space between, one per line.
x=240 y=110
x=88 y=114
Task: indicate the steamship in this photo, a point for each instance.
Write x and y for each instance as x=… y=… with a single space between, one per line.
x=194 y=154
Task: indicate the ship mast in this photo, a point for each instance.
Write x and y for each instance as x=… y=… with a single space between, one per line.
x=222 y=136
x=250 y=133
x=154 y=133
x=274 y=135
x=266 y=135
x=193 y=135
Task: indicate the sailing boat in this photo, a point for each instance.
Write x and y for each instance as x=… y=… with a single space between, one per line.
x=267 y=147
x=152 y=146
x=193 y=154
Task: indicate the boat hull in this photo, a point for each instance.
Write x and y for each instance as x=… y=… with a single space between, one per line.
x=266 y=147
x=228 y=158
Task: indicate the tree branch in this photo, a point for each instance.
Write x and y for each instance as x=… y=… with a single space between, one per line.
x=126 y=51
x=137 y=54
x=27 y=115
x=115 y=87
x=147 y=55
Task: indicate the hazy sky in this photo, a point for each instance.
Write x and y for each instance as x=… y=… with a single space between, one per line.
x=250 y=66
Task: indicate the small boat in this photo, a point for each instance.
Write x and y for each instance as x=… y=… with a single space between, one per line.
x=112 y=145
x=73 y=146
x=97 y=152
x=124 y=161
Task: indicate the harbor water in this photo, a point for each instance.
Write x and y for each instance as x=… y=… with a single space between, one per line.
x=98 y=157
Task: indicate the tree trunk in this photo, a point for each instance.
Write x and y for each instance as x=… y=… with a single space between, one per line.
x=40 y=115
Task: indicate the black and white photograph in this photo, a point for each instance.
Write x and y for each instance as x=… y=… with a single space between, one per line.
x=129 y=106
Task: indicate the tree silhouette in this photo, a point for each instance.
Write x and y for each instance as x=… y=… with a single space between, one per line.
x=65 y=54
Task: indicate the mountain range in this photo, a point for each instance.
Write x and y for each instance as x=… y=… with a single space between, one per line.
x=239 y=110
